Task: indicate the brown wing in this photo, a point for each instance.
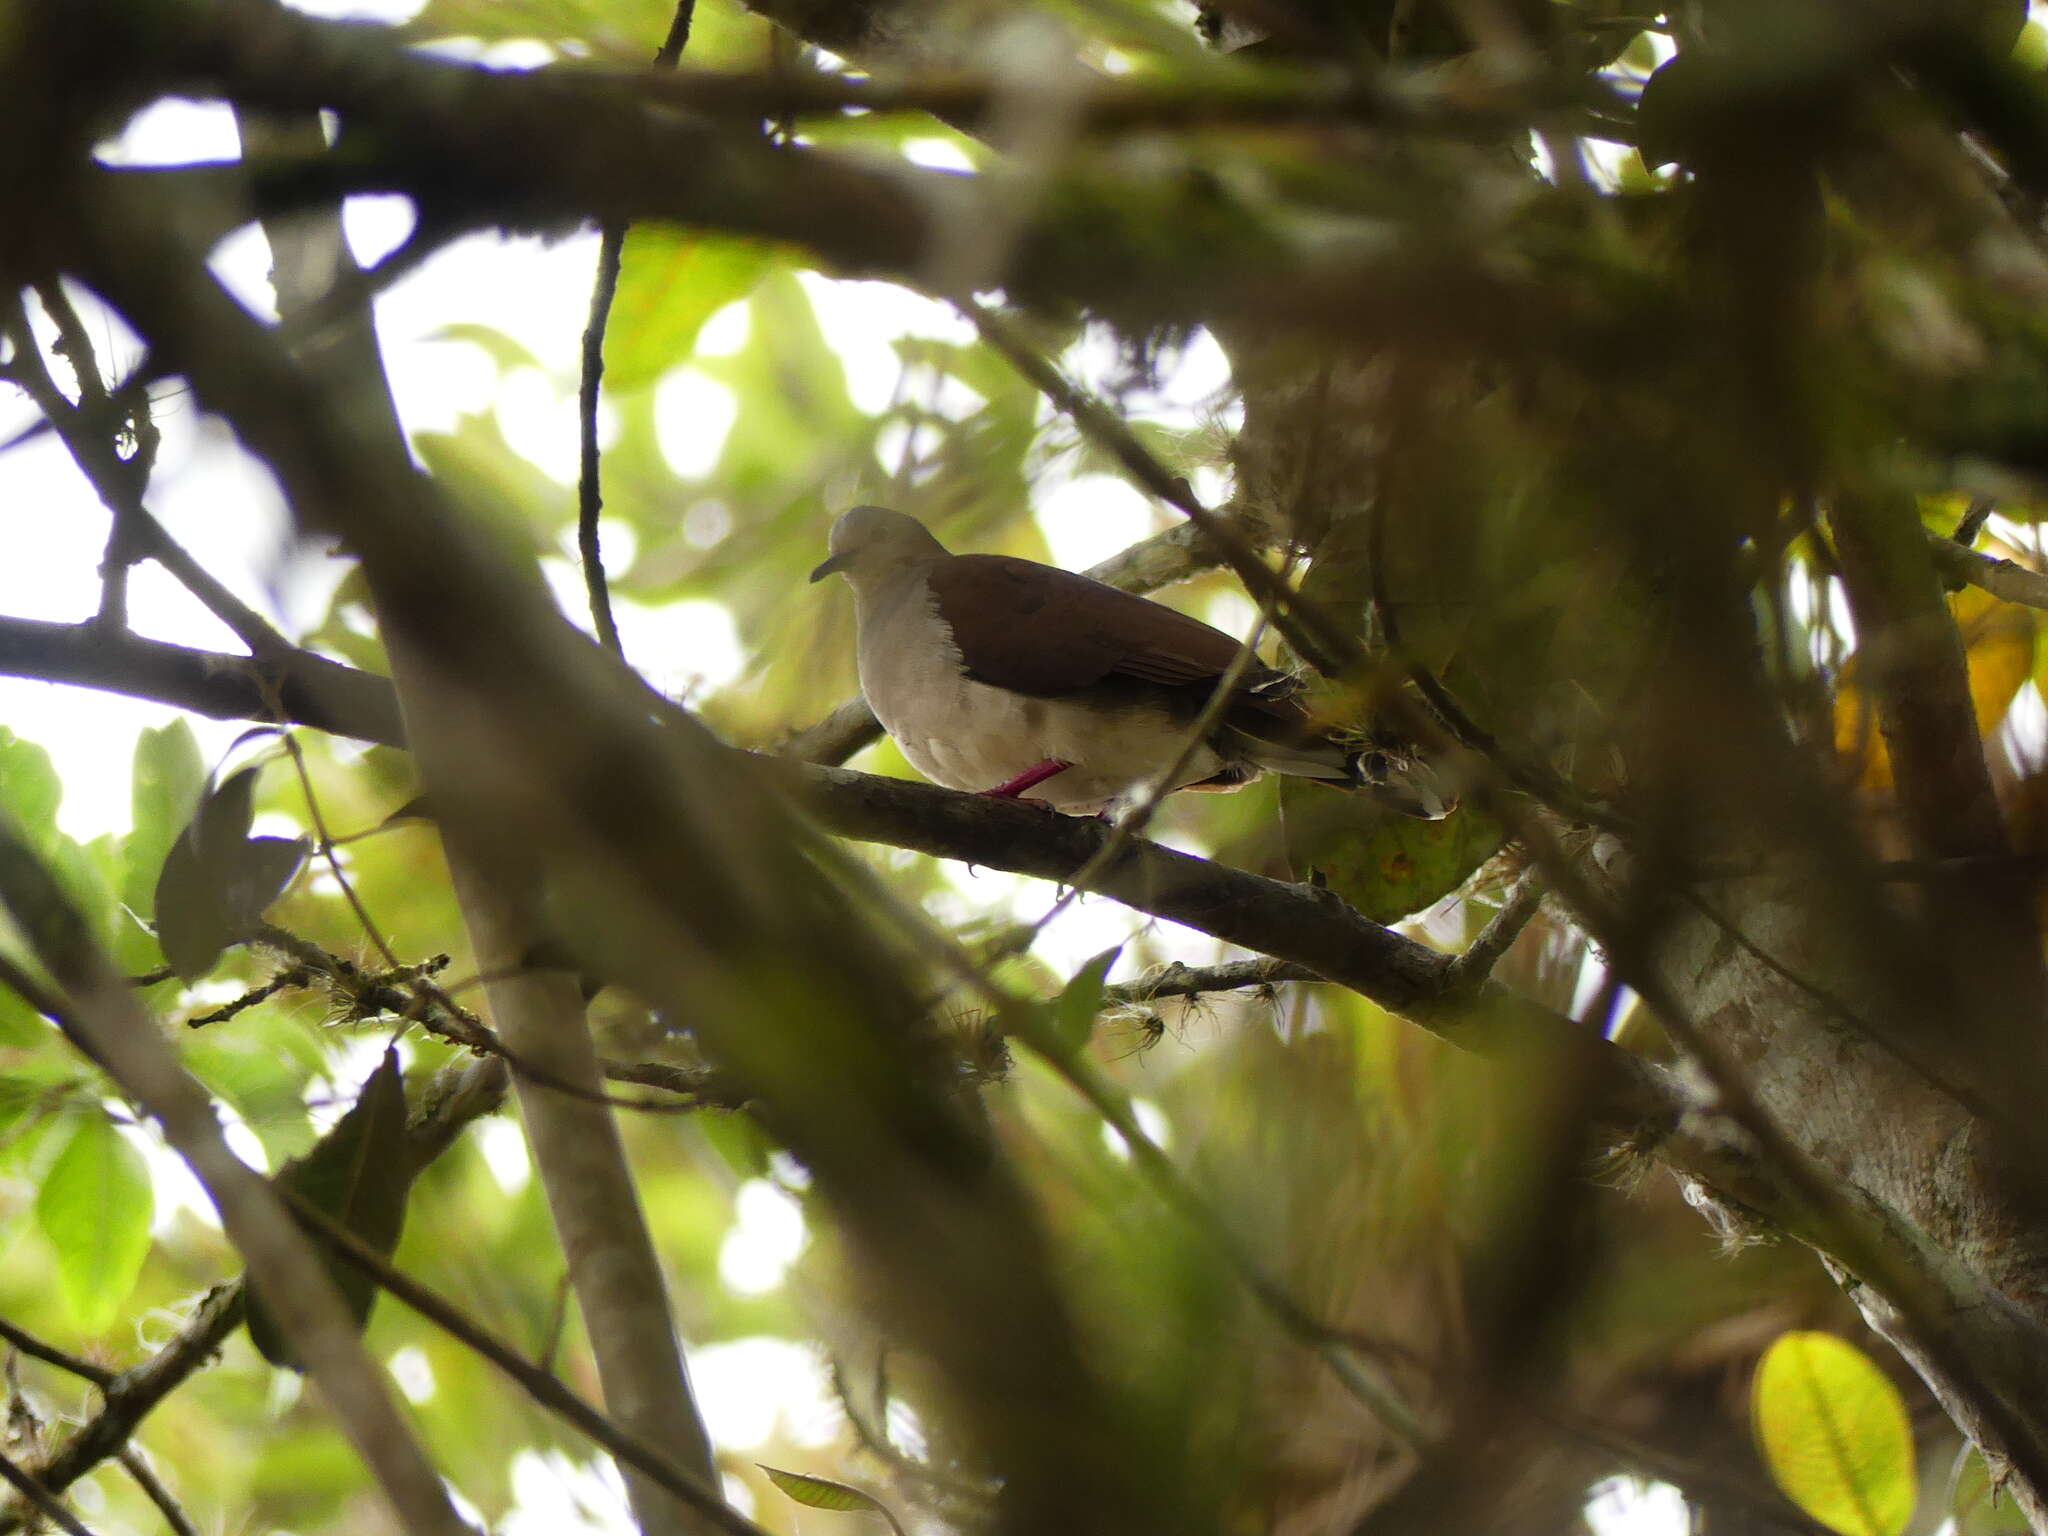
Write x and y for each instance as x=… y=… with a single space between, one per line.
x=1039 y=630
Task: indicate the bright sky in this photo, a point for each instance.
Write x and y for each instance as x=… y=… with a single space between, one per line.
x=224 y=508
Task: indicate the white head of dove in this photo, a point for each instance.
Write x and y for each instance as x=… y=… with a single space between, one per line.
x=1004 y=676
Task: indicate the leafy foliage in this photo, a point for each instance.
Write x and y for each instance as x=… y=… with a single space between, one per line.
x=358 y=1175
x=94 y=1207
x=823 y=1493
x=1572 y=444
x=217 y=880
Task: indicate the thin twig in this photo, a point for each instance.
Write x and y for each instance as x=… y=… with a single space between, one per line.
x=1177 y=980
x=473 y=1032
x=327 y=852
x=126 y=541
x=542 y=1386
x=1319 y=641
x=1132 y=825
x=589 y=484
x=50 y=1354
x=1499 y=934
x=152 y=1486
x=589 y=490
x=2006 y=579
x=41 y=1497
x=85 y=429
x=1031 y=1027
x=432 y=1008
x=697 y=1087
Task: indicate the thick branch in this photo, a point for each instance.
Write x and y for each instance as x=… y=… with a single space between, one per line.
x=1296 y=924
x=297 y=688
x=1911 y=665
x=475 y=147
x=577 y=1152
x=698 y=888
x=1299 y=923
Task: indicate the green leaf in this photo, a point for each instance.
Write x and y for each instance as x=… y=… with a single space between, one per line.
x=1074 y=1011
x=1385 y=864
x=217 y=881
x=604 y=31
x=1976 y=1506
x=29 y=787
x=95 y=1207
x=359 y=1174
x=482 y=469
x=20 y=1025
x=507 y=354
x=1833 y=1431
x=823 y=1493
x=670 y=282
x=224 y=816
x=168 y=778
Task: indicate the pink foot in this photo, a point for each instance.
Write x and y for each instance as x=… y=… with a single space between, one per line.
x=1038 y=773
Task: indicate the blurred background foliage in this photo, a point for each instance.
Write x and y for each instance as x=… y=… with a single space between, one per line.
x=1366 y=1164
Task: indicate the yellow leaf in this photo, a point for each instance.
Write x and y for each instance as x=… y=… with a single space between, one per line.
x=1833 y=1431
x=1998 y=646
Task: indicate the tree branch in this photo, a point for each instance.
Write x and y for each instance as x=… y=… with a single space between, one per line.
x=1177 y=980
x=131 y=1395
x=45 y=1502
x=154 y=1490
x=2006 y=580
x=576 y=1146
x=476 y=147
x=50 y=1354
x=296 y=687
x=1911 y=665
x=102 y=1014
x=1301 y=924
x=687 y=1483
x=1294 y=924
x=457 y=1095
x=589 y=475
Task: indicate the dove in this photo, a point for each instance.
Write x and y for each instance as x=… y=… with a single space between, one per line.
x=1004 y=676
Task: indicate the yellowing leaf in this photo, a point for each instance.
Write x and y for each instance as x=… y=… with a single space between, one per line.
x=1833 y=1431
x=823 y=1493
x=1998 y=641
